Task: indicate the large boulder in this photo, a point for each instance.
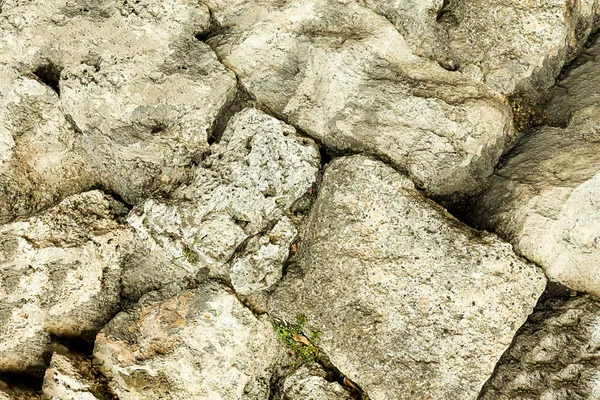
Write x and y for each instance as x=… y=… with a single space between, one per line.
x=411 y=303
x=554 y=356
x=59 y=275
x=544 y=200
x=138 y=90
x=250 y=180
x=196 y=344
x=345 y=76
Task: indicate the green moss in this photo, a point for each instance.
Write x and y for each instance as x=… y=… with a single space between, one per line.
x=303 y=348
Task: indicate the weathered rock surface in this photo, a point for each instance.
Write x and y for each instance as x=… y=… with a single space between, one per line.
x=411 y=303
x=471 y=37
x=579 y=89
x=250 y=179
x=139 y=92
x=197 y=344
x=545 y=200
x=260 y=265
x=517 y=46
x=309 y=383
x=9 y=392
x=70 y=377
x=555 y=355
x=59 y=275
x=345 y=76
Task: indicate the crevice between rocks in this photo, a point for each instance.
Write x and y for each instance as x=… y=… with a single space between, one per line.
x=49 y=74
x=553 y=290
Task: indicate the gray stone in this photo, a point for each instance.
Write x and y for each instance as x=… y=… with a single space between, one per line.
x=345 y=76
x=261 y=263
x=59 y=275
x=411 y=303
x=200 y=343
x=544 y=200
x=555 y=356
x=70 y=377
x=139 y=92
x=309 y=383
x=252 y=177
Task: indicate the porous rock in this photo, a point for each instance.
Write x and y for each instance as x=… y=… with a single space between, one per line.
x=70 y=377
x=410 y=302
x=345 y=76
x=200 y=343
x=252 y=177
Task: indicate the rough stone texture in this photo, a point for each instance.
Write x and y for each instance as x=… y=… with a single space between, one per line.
x=38 y=165
x=200 y=343
x=59 y=275
x=545 y=200
x=516 y=46
x=70 y=377
x=555 y=355
x=257 y=171
x=139 y=92
x=411 y=303
x=260 y=265
x=345 y=76
x=308 y=383
x=579 y=89
x=8 y=392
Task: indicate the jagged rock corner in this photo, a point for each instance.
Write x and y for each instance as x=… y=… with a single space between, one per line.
x=299 y=200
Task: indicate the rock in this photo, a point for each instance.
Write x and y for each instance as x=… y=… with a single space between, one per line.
x=141 y=93
x=411 y=303
x=60 y=275
x=554 y=356
x=346 y=77
x=250 y=179
x=544 y=200
x=38 y=164
x=578 y=89
x=70 y=377
x=308 y=383
x=544 y=36
x=260 y=265
x=10 y=392
x=200 y=343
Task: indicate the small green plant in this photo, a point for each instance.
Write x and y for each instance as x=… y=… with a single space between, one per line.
x=303 y=348
x=189 y=254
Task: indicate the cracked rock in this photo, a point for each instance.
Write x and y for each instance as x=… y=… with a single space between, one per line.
x=139 y=91
x=555 y=355
x=346 y=77
x=544 y=200
x=252 y=177
x=200 y=343
x=410 y=302
x=59 y=275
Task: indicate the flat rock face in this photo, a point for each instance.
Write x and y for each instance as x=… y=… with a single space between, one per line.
x=252 y=177
x=200 y=343
x=59 y=275
x=344 y=75
x=139 y=92
x=554 y=356
x=309 y=383
x=411 y=303
x=544 y=200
